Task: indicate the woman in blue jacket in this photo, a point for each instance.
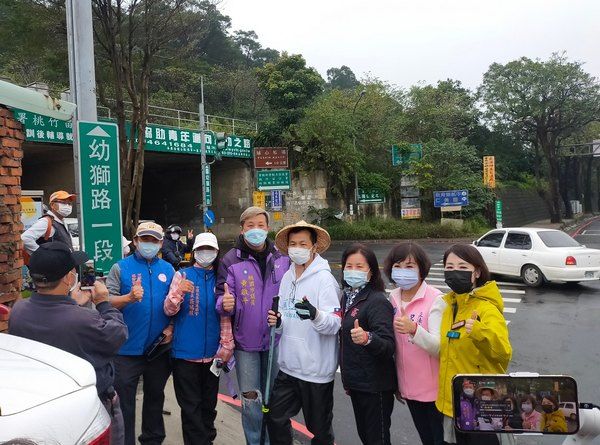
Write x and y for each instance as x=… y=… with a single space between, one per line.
x=198 y=331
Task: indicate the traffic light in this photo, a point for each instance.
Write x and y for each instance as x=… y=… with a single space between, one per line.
x=221 y=141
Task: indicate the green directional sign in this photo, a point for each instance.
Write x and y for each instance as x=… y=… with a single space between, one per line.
x=100 y=195
x=40 y=128
x=370 y=196
x=498 y=210
x=403 y=156
x=274 y=179
x=207 y=186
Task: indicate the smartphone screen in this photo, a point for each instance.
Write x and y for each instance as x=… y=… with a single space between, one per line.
x=515 y=404
x=88 y=275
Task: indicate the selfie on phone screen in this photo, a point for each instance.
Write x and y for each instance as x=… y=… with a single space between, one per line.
x=505 y=404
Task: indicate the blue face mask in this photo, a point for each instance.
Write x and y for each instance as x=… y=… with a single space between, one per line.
x=255 y=237
x=405 y=278
x=148 y=250
x=356 y=278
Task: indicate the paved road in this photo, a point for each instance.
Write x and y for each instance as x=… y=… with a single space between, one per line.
x=553 y=330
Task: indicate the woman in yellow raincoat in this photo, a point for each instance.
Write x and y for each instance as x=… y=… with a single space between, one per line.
x=474 y=336
x=553 y=420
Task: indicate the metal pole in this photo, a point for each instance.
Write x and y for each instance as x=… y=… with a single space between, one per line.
x=202 y=150
x=362 y=93
x=82 y=79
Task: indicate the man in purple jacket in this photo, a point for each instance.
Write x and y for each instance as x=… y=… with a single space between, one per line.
x=248 y=279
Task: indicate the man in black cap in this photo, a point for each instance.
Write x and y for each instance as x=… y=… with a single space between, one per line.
x=53 y=317
x=173 y=250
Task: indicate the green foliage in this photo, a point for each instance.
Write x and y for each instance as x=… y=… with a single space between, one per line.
x=452 y=165
x=377 y=229
x=342 y=78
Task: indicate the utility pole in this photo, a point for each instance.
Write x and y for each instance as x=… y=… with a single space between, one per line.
x=82 y=78
x=203 y=149
x=362 y=93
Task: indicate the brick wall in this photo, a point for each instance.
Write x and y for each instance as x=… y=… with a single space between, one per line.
x=11 y=153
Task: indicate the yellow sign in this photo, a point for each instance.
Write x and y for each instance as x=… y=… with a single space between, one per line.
x=277 y=216
x=489 y=171
x=411 y=213
x=259 y=199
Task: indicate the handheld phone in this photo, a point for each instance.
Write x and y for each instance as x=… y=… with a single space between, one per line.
x=517 y=403
x=88 y=275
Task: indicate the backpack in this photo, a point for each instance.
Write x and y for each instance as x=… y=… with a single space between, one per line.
x=26 y=255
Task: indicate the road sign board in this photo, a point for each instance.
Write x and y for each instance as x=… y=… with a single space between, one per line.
x=271 y=157
x=411 y=213
x=209 y=218
x=207 y=186
x=489 y=171
x=498 y=210
x=276 y=200
x=370 y=196
x=40 y=128
x=259 y=199
x=100 y=194
x=451 y=198
x=274 y=179
x=414 y=152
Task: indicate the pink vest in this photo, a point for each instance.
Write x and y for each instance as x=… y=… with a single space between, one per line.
x=418 y=372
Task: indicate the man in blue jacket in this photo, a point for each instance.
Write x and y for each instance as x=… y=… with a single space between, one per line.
x=138 y=286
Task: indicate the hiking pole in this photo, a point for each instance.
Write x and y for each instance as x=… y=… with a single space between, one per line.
x=267 y=395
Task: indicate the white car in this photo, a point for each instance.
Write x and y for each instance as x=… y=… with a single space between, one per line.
x=48 y=396
x=569 y=410
x=73 y=228
x=538 y=255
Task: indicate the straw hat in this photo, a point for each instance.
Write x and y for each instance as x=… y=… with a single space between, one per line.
x=481 y=388
x=323 y=238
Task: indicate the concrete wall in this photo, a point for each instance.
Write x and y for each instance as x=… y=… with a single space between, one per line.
x=521 y=207
x=11 y=261
x=308 y=189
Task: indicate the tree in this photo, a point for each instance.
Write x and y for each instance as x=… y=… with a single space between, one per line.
x=547 y=99
x=342 y=78
x=130 y=36
x=288 y=86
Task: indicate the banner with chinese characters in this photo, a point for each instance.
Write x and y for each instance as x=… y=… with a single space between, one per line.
x=370 y=196
x=39 y=128
x=489 y=171
x=100 y=194
x=411 y=213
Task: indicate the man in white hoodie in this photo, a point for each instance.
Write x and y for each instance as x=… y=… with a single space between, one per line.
x=309 y=320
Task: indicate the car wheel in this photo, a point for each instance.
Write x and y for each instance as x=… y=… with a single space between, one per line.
x=532 y=276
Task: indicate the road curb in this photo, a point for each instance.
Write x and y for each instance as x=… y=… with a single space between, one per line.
x=405 y=240
x=575 y=231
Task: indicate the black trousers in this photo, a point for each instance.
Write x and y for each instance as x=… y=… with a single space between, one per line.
x=428 y=421
x=128 y=370
x=196 y=389
x=476 y=439
x=373 y=415
x=291 y=394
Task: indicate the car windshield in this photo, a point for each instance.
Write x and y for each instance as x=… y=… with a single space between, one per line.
x=73 y=229
x=554 y=238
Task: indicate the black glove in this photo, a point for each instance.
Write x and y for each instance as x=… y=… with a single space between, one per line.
x=305 y=310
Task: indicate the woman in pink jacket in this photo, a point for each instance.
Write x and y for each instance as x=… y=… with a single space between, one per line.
x=418 y=309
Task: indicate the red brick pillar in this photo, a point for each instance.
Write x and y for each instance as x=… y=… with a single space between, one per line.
x=11 y=261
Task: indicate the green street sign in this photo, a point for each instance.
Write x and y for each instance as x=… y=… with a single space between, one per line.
x=40 y=128
x=274 y=179
x=100 y=194
x=207 y=186
x=370 y=196
x=400 y=157
x=498 y=210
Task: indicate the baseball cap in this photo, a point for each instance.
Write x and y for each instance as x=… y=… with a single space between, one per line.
x=174 y=229
x=52 y=261
x=62 y=196
x=150 y=229
x=206 y=239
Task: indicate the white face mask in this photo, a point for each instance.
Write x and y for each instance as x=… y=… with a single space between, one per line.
x=64 y=210
x=205 y=258
x=299 y=255
x=126 y=250
x=486 y=398
x=175 y=236
x=469 y=392
x=76 y=281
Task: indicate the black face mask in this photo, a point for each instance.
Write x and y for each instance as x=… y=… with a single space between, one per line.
x=459 y=280
x=548 y=408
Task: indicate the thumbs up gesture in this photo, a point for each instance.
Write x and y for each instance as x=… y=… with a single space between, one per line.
x=358 y=334
x=137 y=291
x=185 y=285
x=228 y=300
x=404 y=325
x=470 y=322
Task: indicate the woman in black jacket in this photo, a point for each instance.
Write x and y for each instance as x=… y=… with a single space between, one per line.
x=367 y=345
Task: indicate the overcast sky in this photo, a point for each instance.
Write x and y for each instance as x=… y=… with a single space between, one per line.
x=405 y=42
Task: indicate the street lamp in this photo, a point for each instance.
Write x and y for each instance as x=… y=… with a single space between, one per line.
x=362 y=93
